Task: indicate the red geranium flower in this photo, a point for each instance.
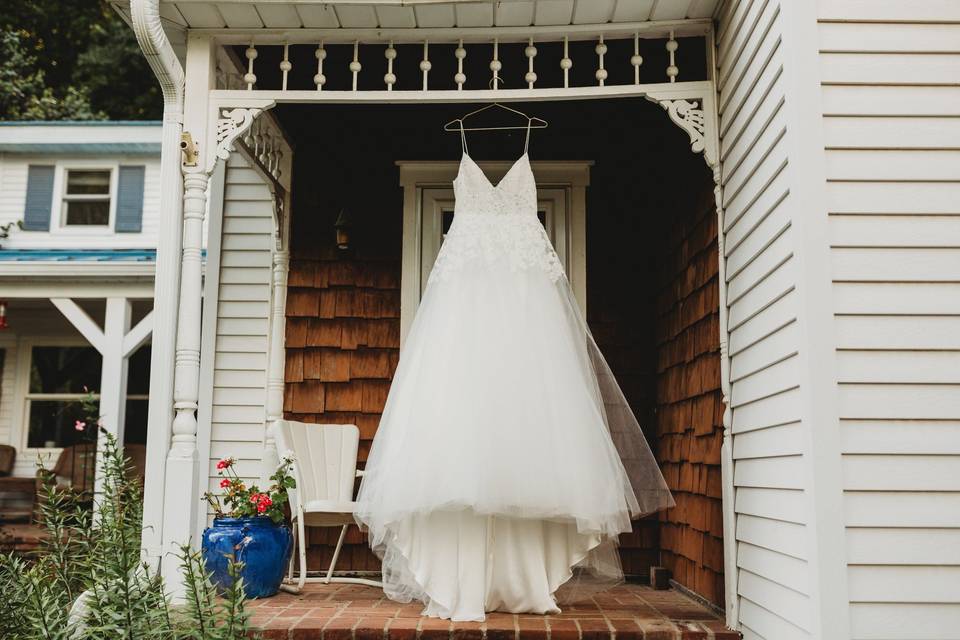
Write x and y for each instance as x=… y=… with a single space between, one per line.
x=225 y=463
x=224 y=483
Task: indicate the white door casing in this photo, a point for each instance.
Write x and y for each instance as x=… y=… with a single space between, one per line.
x=427 y=197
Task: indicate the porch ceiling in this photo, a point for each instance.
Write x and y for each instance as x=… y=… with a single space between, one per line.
x=411 y=14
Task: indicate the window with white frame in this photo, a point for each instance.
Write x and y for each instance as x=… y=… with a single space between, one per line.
x=60 y=377
x=86 y=197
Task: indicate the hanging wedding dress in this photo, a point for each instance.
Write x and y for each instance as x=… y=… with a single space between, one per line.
x=507 y=460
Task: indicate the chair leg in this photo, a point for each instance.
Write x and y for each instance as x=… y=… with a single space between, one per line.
x=336 y=553
x=292 y=556
x=303 y=554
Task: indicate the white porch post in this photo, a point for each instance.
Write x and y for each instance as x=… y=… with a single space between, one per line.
x=113 y=375
x=181 y=486
x=181 y=491
x=277 y=364
x=115 y=343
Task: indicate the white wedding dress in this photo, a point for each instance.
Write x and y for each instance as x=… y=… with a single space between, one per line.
x=507 y=460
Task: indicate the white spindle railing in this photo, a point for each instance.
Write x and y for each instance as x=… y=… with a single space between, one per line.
x=355 y=65
x=285 y=65
x=425 y=64
x=250 y=78
x=673 y=70
x=531 y=52
x=566 y=63
x=496 y=65
x=460 y=53
x=390 y=78
x=601 y=50
x=237 y=74
x=319 y=79
x=636 y=59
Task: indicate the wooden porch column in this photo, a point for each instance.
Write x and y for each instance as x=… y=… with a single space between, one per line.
x=276 y=366
x=181 y=493
x=115 y=343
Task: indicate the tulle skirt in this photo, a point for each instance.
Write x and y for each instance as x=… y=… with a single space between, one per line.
x=507 y=461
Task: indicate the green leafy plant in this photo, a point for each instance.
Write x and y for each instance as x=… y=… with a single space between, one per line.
x=241 y=501
x=87 y=580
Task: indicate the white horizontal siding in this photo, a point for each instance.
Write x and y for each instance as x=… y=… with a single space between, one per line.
x=243 y=311
x=13 y=190
x=768 y=443
x=891 y=104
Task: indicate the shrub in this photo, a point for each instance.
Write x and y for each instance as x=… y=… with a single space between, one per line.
x=88 y=579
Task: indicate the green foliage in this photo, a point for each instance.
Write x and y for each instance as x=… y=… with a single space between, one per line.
x=72 y=59
x=88 y=580
x=241 y=501
x=206 y=617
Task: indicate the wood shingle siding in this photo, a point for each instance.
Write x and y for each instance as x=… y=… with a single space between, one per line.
x=343 y=346
x=689 y=408
x=893 y=198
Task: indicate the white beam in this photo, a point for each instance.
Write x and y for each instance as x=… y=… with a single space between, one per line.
x=646 y=29
x=82 y=322
x=113 y=372
x=138 y=335
x=226 y=98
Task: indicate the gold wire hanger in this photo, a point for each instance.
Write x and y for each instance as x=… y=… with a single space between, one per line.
x=457 y=125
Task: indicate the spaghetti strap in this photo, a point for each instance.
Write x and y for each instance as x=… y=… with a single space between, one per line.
x=463 y=138
x=526 y=144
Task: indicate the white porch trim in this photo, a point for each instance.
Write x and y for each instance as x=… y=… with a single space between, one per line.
x=216 y=119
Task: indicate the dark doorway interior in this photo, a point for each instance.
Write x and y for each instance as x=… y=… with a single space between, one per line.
x=651 y=283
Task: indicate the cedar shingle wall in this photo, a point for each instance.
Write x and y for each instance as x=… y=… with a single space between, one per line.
x=688 y=400
x=343 y=344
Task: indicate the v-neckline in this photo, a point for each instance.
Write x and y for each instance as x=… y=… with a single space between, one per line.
x=500 y=182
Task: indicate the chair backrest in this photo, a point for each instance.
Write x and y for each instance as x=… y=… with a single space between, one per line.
x=8 y=455
x=77 y=463
x=325 y=458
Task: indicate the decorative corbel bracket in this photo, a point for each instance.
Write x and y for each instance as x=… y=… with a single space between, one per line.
x=693 y=114
x=231 y=124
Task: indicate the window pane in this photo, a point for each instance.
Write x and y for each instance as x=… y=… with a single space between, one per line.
x=135 y=424
x=88 y=182
x=64 y=369
x=138 y=373
x=83 y=212
x=52 y=424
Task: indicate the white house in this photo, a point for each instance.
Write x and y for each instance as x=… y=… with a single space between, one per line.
x=798 y=355
x=79 y=206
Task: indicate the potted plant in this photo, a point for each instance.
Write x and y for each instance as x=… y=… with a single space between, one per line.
x=249 y=529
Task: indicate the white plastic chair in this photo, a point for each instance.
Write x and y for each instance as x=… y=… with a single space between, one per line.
x=325 y=468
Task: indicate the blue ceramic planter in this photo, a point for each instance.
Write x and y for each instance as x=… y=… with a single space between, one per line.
x=262 y=546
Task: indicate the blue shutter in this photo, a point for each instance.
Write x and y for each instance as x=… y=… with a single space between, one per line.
x=130 y=199
x=36 y=212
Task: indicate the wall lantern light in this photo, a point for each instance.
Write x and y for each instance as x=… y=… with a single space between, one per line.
x=342 y=225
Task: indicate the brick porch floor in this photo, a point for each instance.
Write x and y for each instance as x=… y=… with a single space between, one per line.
x=356 y=612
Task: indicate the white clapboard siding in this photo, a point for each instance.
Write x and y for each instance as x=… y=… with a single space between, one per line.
x=891 y=116
x=8 y=393
x=768 y=442
x=243 y=312
x=13 y=191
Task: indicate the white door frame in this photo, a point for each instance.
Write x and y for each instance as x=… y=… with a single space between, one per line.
x=417 y=176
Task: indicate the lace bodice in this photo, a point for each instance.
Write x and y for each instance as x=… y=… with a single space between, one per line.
x=496 y=225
